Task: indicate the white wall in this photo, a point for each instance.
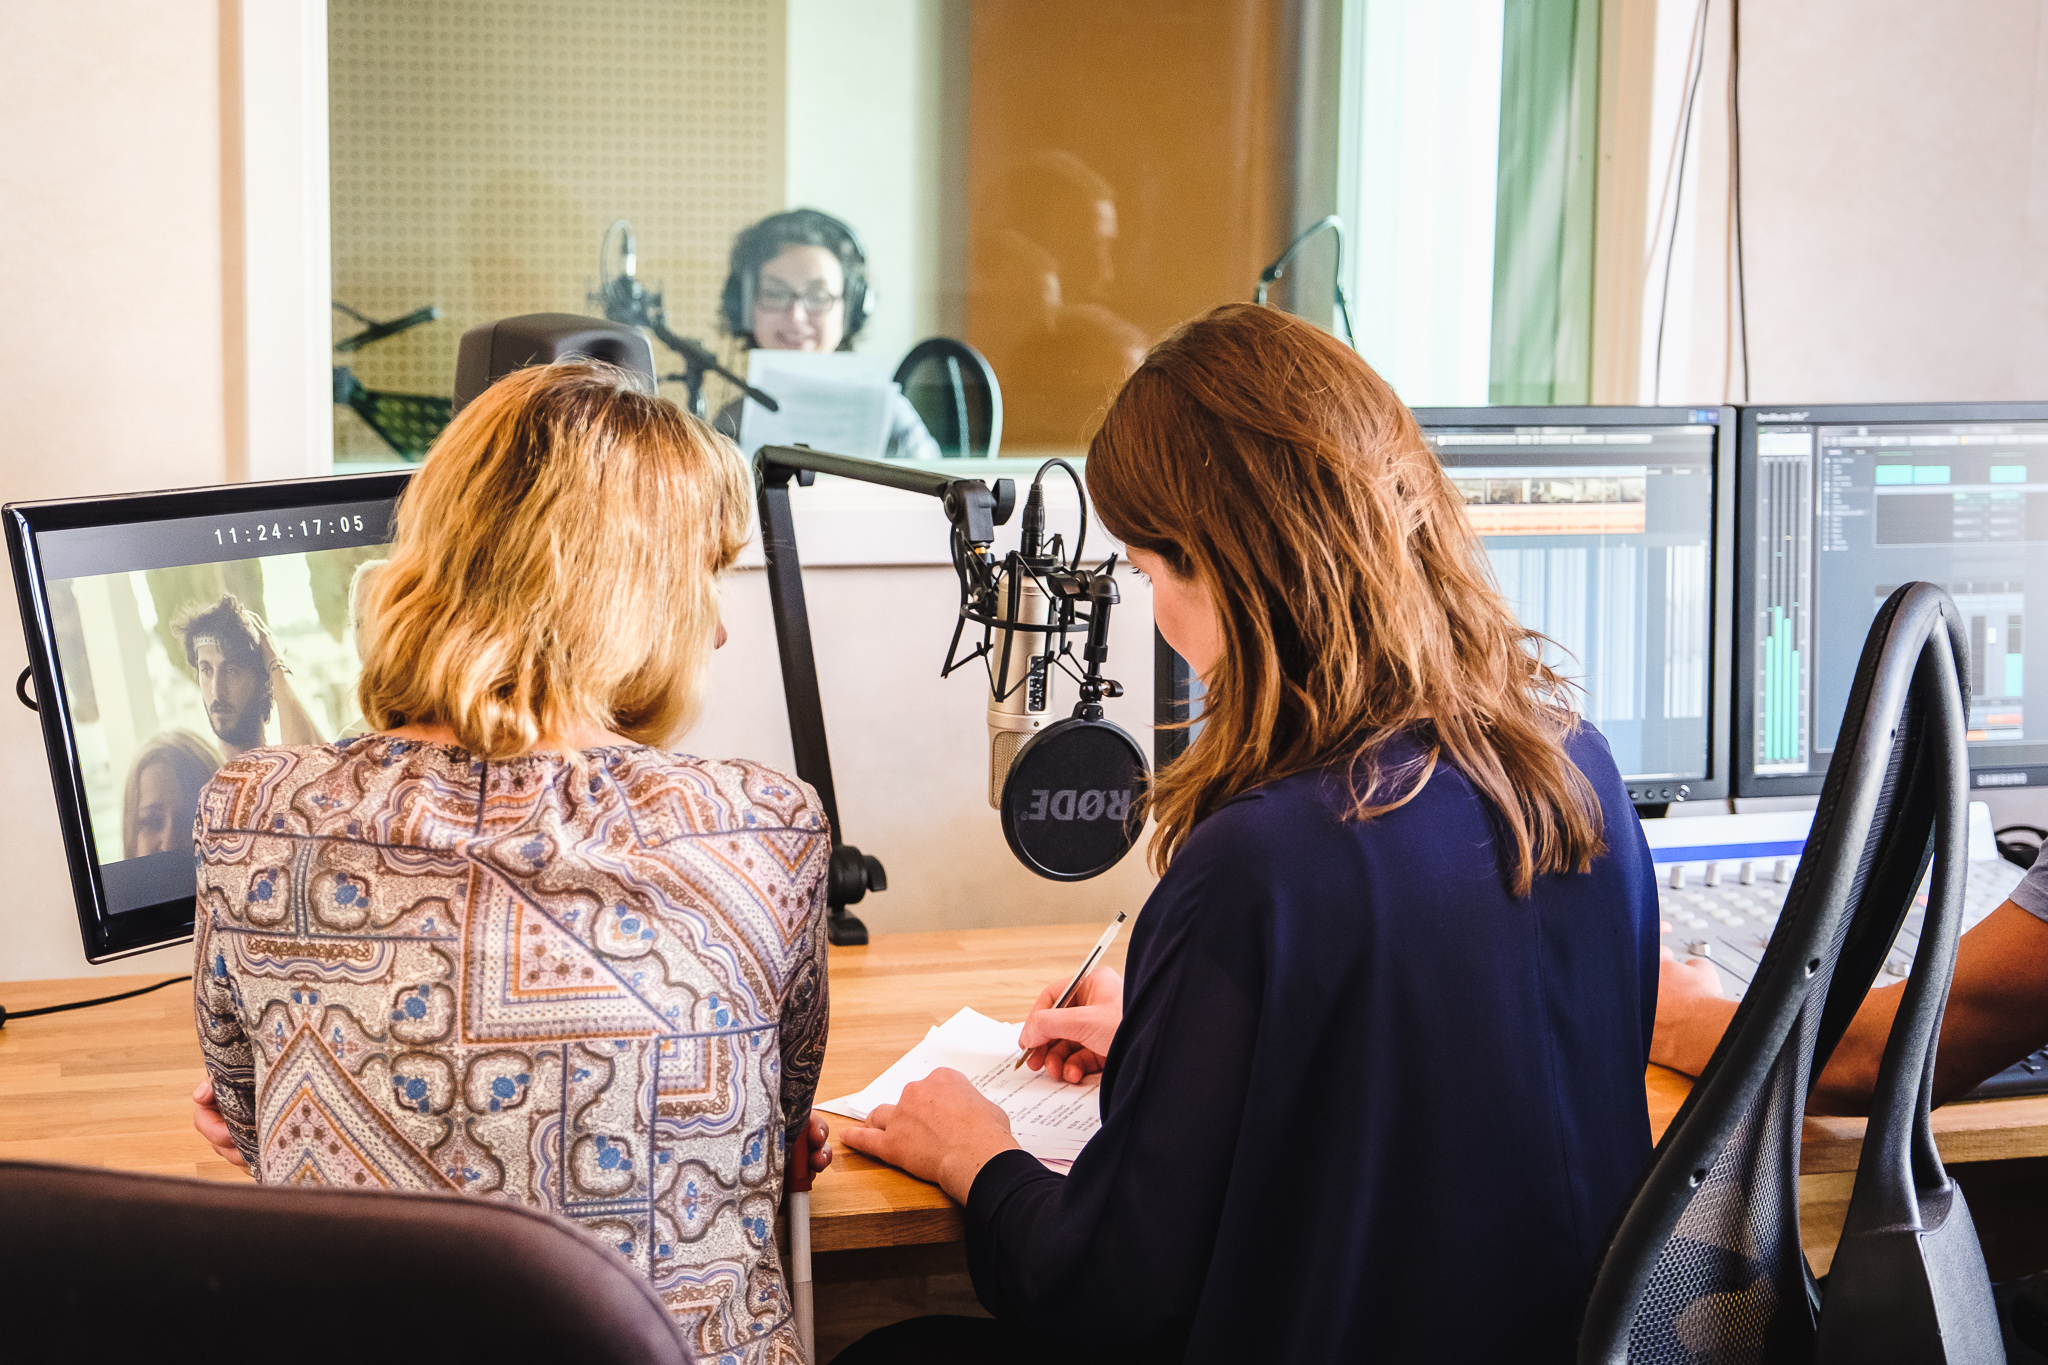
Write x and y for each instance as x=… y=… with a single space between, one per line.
x=864 y=129
x=111 y=360
x=1895 y=202
x=1896 y=179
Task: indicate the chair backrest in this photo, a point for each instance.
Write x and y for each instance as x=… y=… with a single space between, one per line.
x=112 y=1265
x=955 y=391
x=1706 y=1263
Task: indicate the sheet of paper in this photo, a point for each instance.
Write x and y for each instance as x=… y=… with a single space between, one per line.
x=1051 y=1119
x=839 y=402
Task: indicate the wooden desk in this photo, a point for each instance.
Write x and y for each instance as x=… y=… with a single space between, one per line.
x=112 y=1085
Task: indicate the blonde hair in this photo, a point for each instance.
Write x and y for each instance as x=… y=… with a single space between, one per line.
x=1260 y=456
x=555 y=565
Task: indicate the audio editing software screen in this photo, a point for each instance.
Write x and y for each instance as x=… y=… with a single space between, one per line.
x=1601 y=537
x=1845 y=513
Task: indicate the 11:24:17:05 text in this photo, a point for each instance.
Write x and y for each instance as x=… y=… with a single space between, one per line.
x=290 y=530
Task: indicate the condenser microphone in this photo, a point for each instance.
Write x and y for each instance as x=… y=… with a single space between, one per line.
x=1021 y=673
x=626 y=300
x=1070 y=793
x=1020 y=700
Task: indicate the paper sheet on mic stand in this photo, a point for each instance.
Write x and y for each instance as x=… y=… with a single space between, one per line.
x=1050 y=1119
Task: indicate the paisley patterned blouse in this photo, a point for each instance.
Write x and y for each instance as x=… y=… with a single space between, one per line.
x=593 y=986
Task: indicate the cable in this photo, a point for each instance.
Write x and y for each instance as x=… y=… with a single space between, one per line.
x=1081 y=492
x=1656 y=233
x=6 y=1014
x=1696 y=65
x=1735 y=177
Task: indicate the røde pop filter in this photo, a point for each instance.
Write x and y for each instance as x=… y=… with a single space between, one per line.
x=496 y=349
x=1072 y=799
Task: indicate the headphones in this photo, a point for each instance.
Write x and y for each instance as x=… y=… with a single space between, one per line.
x=765 y=240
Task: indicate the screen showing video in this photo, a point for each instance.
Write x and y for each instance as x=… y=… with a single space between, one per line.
x=182 y=644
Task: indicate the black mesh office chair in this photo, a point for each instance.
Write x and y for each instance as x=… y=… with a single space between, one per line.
x=1706 y=1264
x=99 y=1265
x=955 y=392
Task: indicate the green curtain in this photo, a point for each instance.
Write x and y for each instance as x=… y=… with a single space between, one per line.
x=1543 y=217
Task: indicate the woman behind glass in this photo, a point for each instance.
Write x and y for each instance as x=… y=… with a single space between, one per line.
x=799 y=282
x=1374 y=1089
x=506 y=944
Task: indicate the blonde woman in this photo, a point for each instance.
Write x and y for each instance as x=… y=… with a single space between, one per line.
x=507 y=944
x=1374 y=1087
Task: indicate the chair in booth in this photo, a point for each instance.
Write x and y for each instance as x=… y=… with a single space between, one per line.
x=99 y=1265
x=1706 y=1264
x=955 y=391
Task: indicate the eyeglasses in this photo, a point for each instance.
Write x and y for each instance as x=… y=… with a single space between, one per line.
x=778 y=298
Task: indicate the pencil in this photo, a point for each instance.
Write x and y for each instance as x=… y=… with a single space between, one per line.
x=1087 y=966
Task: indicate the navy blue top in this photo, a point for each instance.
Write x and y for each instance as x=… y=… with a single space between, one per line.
x=1364 y=1104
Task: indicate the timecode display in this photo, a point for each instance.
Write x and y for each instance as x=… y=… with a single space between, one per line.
x=214 y=538
x=304 y=528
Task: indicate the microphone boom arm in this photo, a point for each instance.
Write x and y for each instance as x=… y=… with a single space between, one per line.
x=975 y=511
x=700 y=360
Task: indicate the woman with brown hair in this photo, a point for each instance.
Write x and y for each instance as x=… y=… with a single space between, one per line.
x=508 y=945
x=1373 y=1090
x=162 y=794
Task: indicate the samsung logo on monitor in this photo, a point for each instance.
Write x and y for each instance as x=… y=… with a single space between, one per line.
x=2001 y=779
x=1782 y=416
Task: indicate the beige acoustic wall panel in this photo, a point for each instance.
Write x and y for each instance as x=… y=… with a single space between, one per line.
x=480 y=149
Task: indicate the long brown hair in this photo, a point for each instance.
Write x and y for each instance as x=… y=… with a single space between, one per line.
x=556 y=564
x=1258 y=455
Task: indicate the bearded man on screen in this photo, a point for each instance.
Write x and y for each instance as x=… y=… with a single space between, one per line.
x=241 y=678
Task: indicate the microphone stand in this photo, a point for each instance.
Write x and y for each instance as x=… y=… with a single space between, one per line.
x=636 y=309
x=628 y=301
x=975 y=511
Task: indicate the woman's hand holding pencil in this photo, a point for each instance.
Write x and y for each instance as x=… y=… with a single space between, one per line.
x=1070 y=1043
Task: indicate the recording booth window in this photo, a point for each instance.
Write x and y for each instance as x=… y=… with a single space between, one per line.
x=477 y=159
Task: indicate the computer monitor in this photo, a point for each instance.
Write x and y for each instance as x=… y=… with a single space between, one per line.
x=1840 y=505
x=1608 y=530
x=145 y=617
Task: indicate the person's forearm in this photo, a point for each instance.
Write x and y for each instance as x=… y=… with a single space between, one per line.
x=1686 y=1044
x=294 y=723
x=1997 y=1012
x=1845 y=1086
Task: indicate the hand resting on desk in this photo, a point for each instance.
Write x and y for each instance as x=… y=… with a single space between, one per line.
x=945 y=1131
x=1692 y=1014
x=1072 y=1043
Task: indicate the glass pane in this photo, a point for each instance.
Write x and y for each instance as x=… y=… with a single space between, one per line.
x=1052 y=185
